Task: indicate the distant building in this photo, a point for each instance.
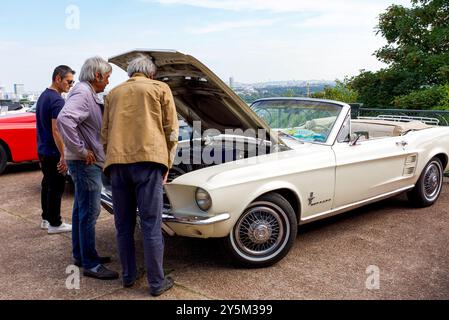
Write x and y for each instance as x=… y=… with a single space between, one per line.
x=231 y=82
x=2 y=92
x=19 y=90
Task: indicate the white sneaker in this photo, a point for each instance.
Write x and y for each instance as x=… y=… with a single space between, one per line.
x=64 y=227
x=45 y=224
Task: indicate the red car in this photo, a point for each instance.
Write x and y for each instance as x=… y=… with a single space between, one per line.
x=18 y=141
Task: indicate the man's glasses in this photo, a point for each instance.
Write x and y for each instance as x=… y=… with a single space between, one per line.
x=70 y=82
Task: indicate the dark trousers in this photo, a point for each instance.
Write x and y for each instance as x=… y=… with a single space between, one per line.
x=53 y=184
x=139 y=185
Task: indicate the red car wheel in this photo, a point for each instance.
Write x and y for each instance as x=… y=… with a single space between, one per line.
x=3 y=159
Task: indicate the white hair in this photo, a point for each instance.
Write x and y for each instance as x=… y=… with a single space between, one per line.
x=141 y=64
x=92 y=66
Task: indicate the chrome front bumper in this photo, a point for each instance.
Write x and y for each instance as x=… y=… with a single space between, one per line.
x=196 y=221
x=106 y=203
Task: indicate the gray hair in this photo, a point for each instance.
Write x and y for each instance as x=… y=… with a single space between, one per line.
x=92 y=66
x=142 y=64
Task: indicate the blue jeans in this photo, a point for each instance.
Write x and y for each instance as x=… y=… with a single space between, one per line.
x=139 y=185
x=86 y=209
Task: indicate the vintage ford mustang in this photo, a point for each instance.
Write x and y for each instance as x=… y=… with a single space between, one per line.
x=252 y=175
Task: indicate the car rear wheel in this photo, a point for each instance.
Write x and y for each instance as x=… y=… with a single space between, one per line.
x=429 y=185
x=264 y=233
x=3 y=159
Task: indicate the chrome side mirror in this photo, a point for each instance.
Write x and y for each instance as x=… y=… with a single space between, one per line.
x=355 y=137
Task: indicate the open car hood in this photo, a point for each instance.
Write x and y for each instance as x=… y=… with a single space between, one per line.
x=199 y=94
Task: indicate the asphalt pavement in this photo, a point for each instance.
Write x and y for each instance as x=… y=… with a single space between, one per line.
x=388 y=250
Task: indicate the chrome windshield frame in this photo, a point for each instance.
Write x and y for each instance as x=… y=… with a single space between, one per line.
x=332 y=137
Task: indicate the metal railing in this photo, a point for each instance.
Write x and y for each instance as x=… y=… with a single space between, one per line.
x=400 y=118
x=441 y=115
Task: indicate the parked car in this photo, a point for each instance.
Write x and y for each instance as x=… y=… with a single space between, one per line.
x=315 y=162
x=11 y=108
x=18 y=141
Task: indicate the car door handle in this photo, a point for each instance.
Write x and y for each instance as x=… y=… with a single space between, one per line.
x=402 y=144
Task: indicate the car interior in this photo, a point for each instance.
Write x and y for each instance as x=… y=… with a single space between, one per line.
x=376 y=129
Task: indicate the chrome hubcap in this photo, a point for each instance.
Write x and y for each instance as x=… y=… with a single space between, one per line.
x=260 y=231
x=432 y=181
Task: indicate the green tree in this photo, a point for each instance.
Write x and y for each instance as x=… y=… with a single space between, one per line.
x=289 y=93
x=340 y=92
x=417 y=52
x=436 y=96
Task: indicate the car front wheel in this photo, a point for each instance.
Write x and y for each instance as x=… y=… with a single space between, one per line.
x=429 y=185
x=264 y=233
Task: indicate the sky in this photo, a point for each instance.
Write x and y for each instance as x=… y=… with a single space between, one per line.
x=249 y=40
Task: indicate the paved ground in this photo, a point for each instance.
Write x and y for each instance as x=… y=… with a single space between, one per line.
x=328 y=261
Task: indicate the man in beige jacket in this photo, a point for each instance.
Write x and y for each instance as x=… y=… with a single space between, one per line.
x=140 y=136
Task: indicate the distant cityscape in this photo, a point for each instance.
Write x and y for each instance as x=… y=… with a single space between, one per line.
x=18 y=94
x=291 y=88
x=247 y=91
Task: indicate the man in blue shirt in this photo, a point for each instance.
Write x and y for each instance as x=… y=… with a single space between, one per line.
x=51 y=150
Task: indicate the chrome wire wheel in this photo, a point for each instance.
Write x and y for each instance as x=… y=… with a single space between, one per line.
x=432 y=182
x=261 y=233
x=429 y=185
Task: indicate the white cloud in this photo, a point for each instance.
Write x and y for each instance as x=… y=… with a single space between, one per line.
x=228 y=25
x=330 y=56
x=287 y=5
x=338 y=20
x=328 y=53
x=32 y=64
x=9 y=44
x=326 y=13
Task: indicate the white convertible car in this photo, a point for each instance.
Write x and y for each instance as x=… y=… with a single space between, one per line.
x=253 y=175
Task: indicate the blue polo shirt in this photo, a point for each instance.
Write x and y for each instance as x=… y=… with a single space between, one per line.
x=48 y=106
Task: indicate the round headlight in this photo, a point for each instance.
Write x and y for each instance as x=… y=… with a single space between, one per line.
x=203 y=199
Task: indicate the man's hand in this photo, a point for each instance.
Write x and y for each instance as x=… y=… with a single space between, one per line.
x=62 y=166
x=166 y=178
x=90 y=159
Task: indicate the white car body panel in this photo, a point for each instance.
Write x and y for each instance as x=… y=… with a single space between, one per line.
x=247 y=179
x=351 y=176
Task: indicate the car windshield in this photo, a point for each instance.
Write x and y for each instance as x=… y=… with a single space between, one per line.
x=305 y=120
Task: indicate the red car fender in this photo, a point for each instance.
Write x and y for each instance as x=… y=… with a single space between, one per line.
x=18 y=133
